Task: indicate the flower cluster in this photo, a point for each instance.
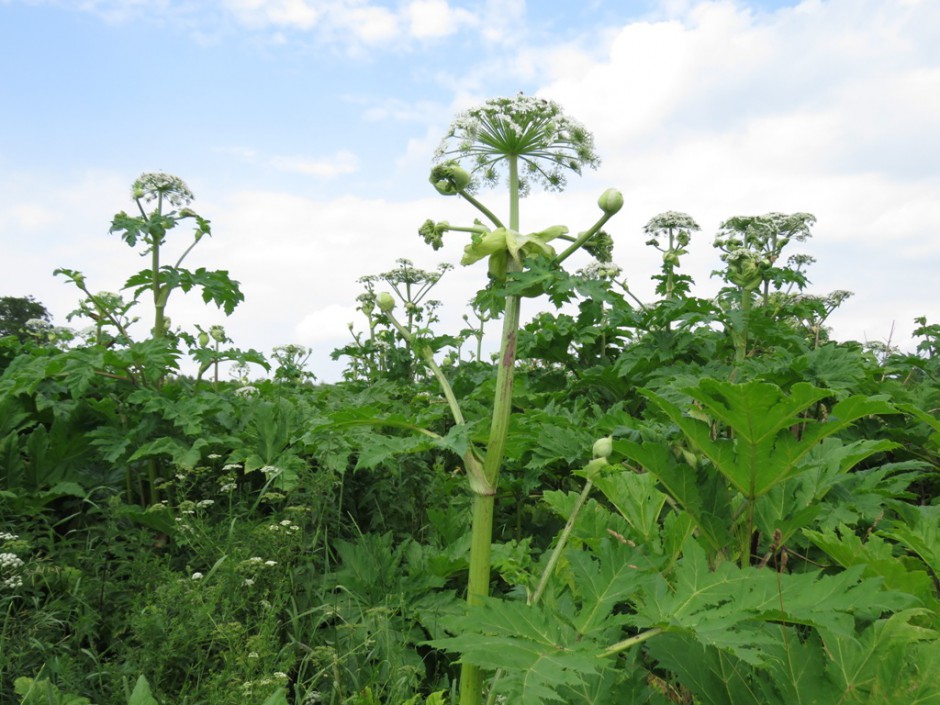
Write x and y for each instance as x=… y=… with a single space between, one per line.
x=285 y=526
x=262 y=685
x=535 y=130
x=10 y=565
x=172 y=189
x=600 y=270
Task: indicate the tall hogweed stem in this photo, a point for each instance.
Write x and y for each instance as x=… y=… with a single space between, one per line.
x=536 y=143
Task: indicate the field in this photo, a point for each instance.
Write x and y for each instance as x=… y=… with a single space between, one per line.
x=680 y=500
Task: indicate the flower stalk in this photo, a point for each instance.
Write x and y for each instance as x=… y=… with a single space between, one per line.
x=535 y=142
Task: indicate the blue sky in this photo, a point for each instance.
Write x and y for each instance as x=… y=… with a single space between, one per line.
x=306 y=127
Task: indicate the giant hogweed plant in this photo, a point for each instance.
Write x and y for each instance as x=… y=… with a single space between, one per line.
x=162 y=203
x=531 y=141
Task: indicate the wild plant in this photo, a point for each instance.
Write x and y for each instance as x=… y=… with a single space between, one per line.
x=380 y=351
x=168 y=198
x=536 y=143
x=162 y=202
x=751 y=248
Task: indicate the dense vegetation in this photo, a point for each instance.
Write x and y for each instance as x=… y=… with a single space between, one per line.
x=683 y=500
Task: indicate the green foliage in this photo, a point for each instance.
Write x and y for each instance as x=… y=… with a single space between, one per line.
x=765 y=528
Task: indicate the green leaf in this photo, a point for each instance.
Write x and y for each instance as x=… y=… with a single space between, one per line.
x=766 y=446
x=876 y=556
x=538 y=652
x=639 y=502
x=603 y=582
x=278 y=697
x=919 y=531
x=881 y=663
x=698 y=491
x=141 y=694
x=716 y=678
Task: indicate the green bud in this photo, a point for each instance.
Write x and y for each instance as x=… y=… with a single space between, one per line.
x=449 y=179
x=385 y=301
x=610 y=201
x=217 y=333
x=203 y=339
x=603 y=447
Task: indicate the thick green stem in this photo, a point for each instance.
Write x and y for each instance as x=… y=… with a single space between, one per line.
x=158 y=305
x=478 y=584
x=740 y=340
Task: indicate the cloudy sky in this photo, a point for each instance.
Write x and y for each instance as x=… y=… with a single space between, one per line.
x=305 y=128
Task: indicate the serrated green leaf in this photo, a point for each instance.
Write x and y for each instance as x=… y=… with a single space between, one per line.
x=764 y=449
x=603 y=582
x=637 y=499
x=919 y=532
x=537 y=651
x=700 y=493
x=875 y=555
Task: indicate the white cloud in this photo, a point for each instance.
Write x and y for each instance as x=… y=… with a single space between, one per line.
x=325 y=325
x=298 y=14
x=343 y=162
x=428 y=19
x=371 y=24
x=825 y=107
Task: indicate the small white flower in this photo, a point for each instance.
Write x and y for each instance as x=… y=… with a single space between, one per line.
x=7 y=536
x=228 y=487
x=203 y=503
x=270 y=563
x=197 y=576
x=10 y=560
x=253 y=654
x=248 y=582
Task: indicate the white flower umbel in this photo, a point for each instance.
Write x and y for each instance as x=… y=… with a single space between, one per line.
x=546 y=141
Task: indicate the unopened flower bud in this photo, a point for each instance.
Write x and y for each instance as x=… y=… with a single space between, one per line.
x=603 y=447
x=203 y=339
x=385 y=301
x=610 y=201
x=217 y=333
x=449 y=179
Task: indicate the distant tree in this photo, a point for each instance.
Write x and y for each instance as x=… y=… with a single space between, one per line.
x=16 y=311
